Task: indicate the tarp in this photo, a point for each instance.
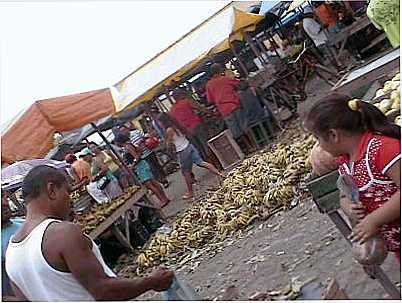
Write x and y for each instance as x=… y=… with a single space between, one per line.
x=210 y=37
x=30 y=135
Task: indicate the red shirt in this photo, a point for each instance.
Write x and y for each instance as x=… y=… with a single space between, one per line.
x=183 y=112
x=221 y=90
x=377 y=153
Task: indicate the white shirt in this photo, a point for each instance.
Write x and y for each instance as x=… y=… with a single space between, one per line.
x=313 y=29
x=28 y=269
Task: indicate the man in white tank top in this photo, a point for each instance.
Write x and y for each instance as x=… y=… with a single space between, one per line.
x=50 y=259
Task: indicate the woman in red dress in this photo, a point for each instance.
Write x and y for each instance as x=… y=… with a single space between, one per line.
x=368 y=148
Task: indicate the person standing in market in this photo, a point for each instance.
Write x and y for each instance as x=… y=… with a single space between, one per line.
x=222 y=91
x=385 y=15
x=327 y=16
x=81 y=170
x=107 y=158
x=8 y=228
x=137 y=138
x=141 y=167
x=100 y=173
x=50 y=259
x=184 y=112
x=368 y=148
x=188 y=155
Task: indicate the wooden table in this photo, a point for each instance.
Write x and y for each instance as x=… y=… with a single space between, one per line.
x=344 y=34
x=143 y=194
x=368 y=73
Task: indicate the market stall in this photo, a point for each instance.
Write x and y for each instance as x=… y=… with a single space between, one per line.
x=104 y=217
x=368 y=73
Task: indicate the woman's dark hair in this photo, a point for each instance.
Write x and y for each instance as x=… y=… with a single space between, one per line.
x=334 y=112
x=169 y=121
x=121 y=138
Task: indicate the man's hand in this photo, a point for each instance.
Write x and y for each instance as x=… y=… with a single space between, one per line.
x=161 y=279
x=364 y=230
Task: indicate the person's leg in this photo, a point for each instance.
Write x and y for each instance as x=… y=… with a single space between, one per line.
x=154 y=187
x=186 y=165
x=196 y=158
x=157 y=169
x=189 y=182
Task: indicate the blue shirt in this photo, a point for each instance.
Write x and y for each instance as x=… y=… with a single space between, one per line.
x=6 y=234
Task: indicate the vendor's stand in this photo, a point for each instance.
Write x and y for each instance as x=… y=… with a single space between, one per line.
x=132 y=199
x=346 y=34
x=368 y=73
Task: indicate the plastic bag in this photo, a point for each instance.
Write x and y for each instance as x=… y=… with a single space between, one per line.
x=180 y=291
x=371 y=252
x=96 y=193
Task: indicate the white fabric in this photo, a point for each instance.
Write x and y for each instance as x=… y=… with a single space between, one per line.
x=180 y=142
x=208 y=38
x=38 y=281
x=313 y=29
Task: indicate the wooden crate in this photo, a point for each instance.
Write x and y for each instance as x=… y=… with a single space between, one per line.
x=226 y=149
x=325 y=192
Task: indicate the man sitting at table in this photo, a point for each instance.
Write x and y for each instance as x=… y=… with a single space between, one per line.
x=50 y=259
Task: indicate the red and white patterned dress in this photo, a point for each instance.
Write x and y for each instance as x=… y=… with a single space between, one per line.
x=377 y=153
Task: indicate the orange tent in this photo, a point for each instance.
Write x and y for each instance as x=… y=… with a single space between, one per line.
x=30 y=135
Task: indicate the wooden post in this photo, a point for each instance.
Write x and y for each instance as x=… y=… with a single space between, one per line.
x=242 y=66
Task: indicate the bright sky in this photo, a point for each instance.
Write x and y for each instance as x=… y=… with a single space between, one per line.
x=54 y=49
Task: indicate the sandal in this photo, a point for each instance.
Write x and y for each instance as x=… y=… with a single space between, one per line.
x=163 y=205
x=187 y=197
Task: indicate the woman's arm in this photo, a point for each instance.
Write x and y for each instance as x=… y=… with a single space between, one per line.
x=133 y=151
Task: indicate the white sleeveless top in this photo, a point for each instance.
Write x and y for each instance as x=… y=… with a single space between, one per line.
x=28 y=269
x=180 y=141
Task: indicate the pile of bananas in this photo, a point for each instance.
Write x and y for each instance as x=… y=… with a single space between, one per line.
x=100 y=212
x=265 y=181
x=77 y=194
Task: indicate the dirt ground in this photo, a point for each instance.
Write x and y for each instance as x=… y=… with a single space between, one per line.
x=298 y=243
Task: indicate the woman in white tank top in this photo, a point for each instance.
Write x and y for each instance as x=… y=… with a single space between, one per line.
x=187 y=154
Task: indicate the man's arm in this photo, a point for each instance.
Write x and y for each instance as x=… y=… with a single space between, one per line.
x=86 y=268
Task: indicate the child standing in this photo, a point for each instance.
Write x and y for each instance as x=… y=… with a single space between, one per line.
x=368 y=148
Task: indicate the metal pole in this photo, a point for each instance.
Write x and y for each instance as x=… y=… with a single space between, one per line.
x=114 y=151
x=253 y=46
x=242 y=66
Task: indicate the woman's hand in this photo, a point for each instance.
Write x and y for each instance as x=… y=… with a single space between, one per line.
x=364 y=230
x=355 y=212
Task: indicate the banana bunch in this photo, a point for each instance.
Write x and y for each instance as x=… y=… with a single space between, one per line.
x=265 y=181
x=100 y=212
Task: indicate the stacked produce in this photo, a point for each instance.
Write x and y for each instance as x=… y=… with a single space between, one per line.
x=387 y=99
x=263 y=182
x=100 y=212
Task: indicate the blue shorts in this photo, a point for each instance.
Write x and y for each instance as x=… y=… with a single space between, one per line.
x=188 y=157
x=143 y=171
